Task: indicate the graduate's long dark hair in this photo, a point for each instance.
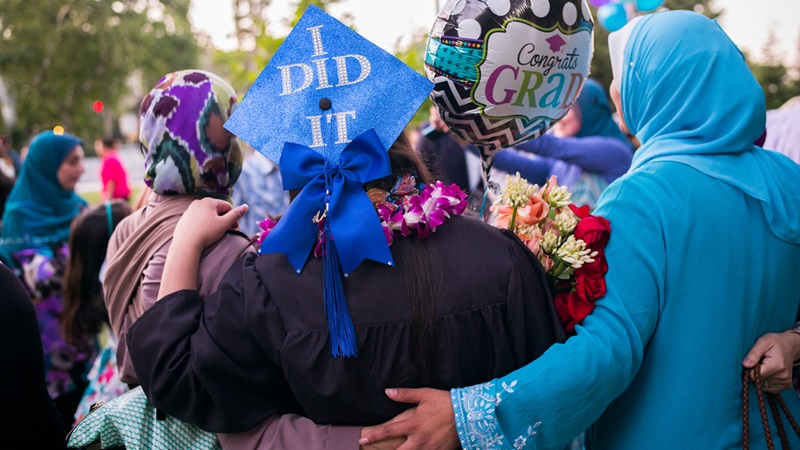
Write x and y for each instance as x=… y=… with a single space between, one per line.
x=84 y=307
x=416 y=264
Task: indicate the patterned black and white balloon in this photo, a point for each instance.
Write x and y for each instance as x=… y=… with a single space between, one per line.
x=506 y=70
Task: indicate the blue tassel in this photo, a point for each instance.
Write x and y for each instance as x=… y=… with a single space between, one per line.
x=341 y=331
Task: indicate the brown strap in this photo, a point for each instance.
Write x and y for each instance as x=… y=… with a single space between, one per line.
x=774 y=400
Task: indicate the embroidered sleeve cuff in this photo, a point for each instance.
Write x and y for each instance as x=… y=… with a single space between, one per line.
x=476 y=421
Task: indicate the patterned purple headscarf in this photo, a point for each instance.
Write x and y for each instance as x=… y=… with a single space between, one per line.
x=186 y=149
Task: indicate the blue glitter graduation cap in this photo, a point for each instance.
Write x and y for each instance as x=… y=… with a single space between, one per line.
x=326 y=109
x=326 y=85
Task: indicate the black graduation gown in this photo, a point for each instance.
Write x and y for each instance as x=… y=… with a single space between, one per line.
x=259 y=345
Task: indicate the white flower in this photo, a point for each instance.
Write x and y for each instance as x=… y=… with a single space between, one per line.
x=560 y=197
x=550 y=241
x=566 y=221
x=517 y=192
x=575 y=253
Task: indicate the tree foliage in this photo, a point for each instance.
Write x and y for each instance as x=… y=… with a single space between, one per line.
x=256 y=40
x=774 y=76
x=57 y=57
x=601 y=62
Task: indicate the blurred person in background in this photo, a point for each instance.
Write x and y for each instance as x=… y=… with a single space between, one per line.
x=260 y=187
x=84 y=322
x=9 y=168
x=586 y=150
x=442 y=152
x=783 y=129
x=33 y=243
x=113 y=174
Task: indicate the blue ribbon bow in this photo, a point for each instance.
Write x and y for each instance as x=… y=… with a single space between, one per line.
x=353 y=222
x=352 y=229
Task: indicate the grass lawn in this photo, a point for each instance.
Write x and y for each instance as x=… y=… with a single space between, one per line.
x=94 y=197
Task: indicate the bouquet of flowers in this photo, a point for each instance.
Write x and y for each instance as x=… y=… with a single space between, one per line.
x=568 y=241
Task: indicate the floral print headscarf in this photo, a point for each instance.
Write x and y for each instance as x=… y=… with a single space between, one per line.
x=186 y=149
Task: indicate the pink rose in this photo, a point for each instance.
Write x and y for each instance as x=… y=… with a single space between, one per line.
x=503 y=218
x=546 y=262
x=548 y=187
x=533 y=212
x=533 y=242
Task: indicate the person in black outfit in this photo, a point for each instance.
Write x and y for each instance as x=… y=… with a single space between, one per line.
x=260 y=345
x=31 y=419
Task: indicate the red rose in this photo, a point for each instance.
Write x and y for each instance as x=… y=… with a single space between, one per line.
x=572 y=309
x=595 y=231
x=561 y=300
x=590 y=288
x=597 y=269
x=581 y=212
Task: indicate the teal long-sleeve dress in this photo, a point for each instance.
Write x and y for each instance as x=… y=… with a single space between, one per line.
x=703 y=259
x=658 y=362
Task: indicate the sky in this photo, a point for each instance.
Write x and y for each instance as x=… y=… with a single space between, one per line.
x=747 y=22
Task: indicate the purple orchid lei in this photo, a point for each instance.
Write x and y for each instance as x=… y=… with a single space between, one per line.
x=421 y=212
x=408 y=208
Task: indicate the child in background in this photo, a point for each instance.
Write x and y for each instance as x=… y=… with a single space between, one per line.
x=84 y=322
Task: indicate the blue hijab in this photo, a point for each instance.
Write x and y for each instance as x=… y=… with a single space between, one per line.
x=689 y=97
x=39 y=211
x=596 y=113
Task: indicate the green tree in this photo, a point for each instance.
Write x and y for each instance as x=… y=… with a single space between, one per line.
x=413 y=54
x=601 y=63
x=58 y=57
x=773 y=75
x=256 y=43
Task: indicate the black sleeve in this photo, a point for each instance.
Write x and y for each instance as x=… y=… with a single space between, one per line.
x=197 y=359
x=529 y=291
x=32 y=420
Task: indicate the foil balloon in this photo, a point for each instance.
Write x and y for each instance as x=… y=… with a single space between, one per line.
x=612 y=16
x=505 y=70
x=648 y=5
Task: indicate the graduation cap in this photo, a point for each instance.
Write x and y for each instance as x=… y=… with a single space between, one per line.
x=326 y=109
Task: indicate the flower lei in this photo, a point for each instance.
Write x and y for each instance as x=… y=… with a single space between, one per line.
x=567 y=240
x=409 y=208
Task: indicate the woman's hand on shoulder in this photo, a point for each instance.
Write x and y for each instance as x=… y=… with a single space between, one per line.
x=206 y=221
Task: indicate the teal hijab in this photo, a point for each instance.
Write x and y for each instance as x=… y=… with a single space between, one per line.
x=39 y=211
x=596 y=113
x=689 y=97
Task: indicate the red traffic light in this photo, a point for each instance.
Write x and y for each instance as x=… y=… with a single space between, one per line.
x=97 y=106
